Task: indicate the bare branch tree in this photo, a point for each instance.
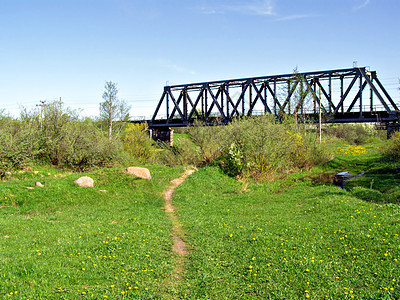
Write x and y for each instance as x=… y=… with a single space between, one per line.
x=113 y=109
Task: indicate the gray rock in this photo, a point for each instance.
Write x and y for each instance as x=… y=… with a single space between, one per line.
x=85 y=181
x=139 y=172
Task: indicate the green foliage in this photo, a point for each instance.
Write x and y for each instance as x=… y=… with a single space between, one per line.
x=137 y=142
x=69 y=142
x=56 y=136
x=392 y=149
x=208 y=140
x=255 y=146
x=269 y=150
x=183 y=153
x=353 y=133
x=232 y=162
x=19 y=144
x=80 y=153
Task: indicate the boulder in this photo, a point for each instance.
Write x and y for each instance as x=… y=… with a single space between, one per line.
x=139 y=172
x=85 y=181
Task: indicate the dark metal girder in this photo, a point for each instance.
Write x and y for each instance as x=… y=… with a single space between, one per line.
x=241 y=97
x=215 y=101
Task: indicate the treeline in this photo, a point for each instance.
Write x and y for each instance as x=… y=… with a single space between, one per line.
x=256 y=147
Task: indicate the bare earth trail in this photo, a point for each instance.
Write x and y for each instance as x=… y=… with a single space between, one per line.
x=179 y=247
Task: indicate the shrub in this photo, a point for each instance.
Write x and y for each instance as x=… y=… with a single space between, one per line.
x=57 y=137
x=19 y=145
x=137 y=142
x=353 y=133
x=255 y=146
x=392 y=149
x=79 y=152
x=208 y=140
x=269 y=149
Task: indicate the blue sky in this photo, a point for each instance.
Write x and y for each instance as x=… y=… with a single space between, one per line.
x=69 y=48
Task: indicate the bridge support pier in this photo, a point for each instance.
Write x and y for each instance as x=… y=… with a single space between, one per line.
x=165 y=135
x=392 y=128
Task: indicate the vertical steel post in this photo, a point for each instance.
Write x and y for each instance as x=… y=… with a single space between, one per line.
x=371 y=96
x=205 y=102
x=330 y=92
x=227 y=103
x=243 y=85
x=185 y=114
x=168 y=103
x=275 y=97
x=222 y=96
x=250 y=96
x=265 y=97
x=202 y=103
x=341 y=92
x=361 y=108
x=315 y=93
x=288 y=96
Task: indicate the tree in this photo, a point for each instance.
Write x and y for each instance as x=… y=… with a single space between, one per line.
x=113 y=109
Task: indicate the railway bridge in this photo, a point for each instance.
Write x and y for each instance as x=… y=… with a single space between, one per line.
x=353 y=95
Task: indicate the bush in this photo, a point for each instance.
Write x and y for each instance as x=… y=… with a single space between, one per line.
x=79 y=152
x=392 y=150
x=269 y=150
x=255 y=147
x=137 y=142
x=19 y=145
x=57 y=137
x=208 y=139
x=353 y=133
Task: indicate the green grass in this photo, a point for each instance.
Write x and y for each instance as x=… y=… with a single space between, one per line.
x=316 y=241
x=295 y=238
x=381 y=180
x=67 y=242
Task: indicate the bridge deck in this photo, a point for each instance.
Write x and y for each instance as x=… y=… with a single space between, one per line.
x=342 y=96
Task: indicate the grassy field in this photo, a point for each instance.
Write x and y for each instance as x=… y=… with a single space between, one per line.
x=296 y=238
x=293 y=239
x=67 y=242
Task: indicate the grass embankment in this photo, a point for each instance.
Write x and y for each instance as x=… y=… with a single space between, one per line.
x=292 y=239
x=67 y=242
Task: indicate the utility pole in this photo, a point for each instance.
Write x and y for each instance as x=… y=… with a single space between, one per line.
x=320 y=117
x=42 y=105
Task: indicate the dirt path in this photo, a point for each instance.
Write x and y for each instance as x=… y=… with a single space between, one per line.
x=179 y=247
x=179 y=244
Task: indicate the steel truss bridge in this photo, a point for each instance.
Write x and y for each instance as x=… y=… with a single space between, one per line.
x=339 y=96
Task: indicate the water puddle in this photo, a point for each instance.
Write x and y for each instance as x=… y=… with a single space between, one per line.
x=338 y=179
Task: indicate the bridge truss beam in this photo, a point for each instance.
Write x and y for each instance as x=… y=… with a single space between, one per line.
x=344 y=95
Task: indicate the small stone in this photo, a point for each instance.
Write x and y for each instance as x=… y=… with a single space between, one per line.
x=139 y=172
x=85 y=181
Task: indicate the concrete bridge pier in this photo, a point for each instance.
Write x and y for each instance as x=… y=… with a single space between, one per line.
x=163 y=134
x=392 y=128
